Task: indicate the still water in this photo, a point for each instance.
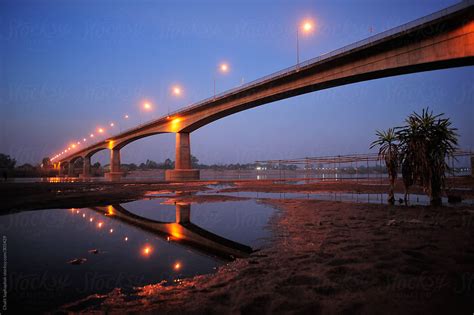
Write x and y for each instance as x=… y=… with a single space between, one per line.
x=57 y=256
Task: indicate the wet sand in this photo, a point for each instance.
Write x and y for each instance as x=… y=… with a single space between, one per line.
x=330 y=258
x=324 y=257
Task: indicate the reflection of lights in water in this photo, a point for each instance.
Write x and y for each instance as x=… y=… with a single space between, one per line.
x=126 y=238
x=77 y=211
x=91 y=219
x=111 y=230
x=177 y=266
x=168 y=238
x=83 y=215
x=99 y=225
x=146 y=251
x=110 y=210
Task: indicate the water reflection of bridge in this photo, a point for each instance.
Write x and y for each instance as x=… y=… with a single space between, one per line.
x=182 y=231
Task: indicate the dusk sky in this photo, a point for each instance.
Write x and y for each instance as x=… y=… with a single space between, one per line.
x=68 y=67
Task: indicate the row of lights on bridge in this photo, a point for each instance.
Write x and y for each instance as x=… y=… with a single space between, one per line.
x=305 y=27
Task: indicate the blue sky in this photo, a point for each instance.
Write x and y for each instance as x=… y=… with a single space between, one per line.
x=68 y=67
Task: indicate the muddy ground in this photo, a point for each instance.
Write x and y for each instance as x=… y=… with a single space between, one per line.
x=325 y=257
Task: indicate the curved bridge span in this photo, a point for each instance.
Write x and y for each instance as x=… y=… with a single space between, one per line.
x=444 y=39
x=182 y=232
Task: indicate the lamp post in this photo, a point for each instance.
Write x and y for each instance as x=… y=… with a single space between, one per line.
x=306 y=27
x=223 y=68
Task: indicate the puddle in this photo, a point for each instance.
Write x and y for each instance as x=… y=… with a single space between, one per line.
x=123 y=246
x=345 y=197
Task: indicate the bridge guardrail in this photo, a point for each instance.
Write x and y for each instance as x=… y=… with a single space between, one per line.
x=310 y=62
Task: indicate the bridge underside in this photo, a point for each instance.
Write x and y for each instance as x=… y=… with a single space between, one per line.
x=446 y=42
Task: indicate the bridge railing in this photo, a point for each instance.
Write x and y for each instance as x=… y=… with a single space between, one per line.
x=311 y=62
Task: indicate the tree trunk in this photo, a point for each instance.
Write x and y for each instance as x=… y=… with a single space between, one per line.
x=391 y=196
x=435 y=191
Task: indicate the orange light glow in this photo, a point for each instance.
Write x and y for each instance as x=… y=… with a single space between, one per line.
x=177 y=266
x=92 y=135
x=111 y=144
x=147 y=106
x=110 y=210
x=224 y=67
x=100 y=130
x=146 y=251
x=83 y=215
x=175 y=230
x=99 y=225
x=73 y=146
x=84 y=139
x=177 y=90
x=126 y=239
x=175 y=124
x=307 y=26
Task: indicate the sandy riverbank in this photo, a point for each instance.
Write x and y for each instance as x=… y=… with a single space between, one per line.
x=330 y=257
x=31 y=196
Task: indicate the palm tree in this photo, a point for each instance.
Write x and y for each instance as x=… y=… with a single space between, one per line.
x=388 y=150
x=425 y=142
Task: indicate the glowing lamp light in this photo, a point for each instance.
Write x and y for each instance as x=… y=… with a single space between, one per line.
x=177 y=266
x=73 y=146
x=147 y=106
x=224 y=67
x=307 y=26
x=126 y=239
x=112 y=124
x=111 y=230
x=91 y=219
x=99 y=225
x=84 y=139
x=177 y=90
x=126 y=116
x=92 y=135
x=100 y=130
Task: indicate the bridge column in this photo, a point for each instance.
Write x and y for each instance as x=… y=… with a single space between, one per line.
x=115 y=173
x=183 y=212
x=60 y=170
x=86 y=168
x=182 y=167
x=70 y=169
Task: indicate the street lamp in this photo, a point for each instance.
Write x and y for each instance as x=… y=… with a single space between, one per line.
x=176 y=89
x=222 y=68
x=306 y=27
x=146 y=107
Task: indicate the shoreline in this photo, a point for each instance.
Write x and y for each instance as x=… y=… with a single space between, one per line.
x=323 y=257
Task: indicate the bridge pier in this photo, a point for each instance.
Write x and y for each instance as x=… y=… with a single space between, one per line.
x=182 y=167
x=86 y=168
x=183 y=213
x=70 y=169
x=115 y=173
x=60 y=170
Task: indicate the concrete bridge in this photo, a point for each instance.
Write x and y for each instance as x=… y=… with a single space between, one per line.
x=444 y=39
x=183 y=231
